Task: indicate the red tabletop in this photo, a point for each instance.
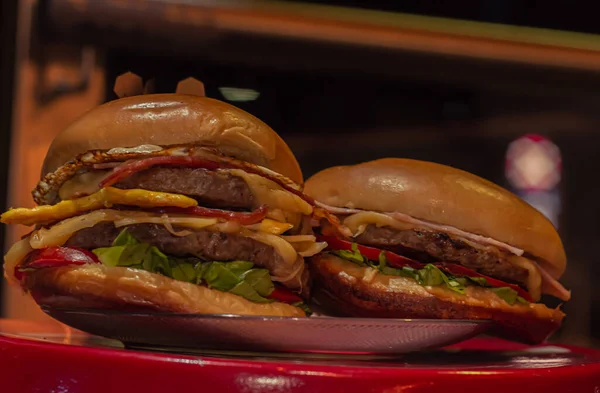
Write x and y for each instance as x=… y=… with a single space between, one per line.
x=40 y=358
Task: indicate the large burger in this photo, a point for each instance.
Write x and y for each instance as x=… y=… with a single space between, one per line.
x=171 y=203
x=423 y=240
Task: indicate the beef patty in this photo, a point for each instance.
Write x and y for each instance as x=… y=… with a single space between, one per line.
x=210 y=188
x=208 y=246
x=429 y=246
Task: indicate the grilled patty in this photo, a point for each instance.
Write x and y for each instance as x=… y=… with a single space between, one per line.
x=429 y=246
x=210 y=188
x=208 y=246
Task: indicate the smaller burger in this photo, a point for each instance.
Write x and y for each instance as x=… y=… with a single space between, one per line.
x=171 y=203
x=423 y=240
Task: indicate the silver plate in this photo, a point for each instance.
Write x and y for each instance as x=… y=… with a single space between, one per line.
x=317 y=335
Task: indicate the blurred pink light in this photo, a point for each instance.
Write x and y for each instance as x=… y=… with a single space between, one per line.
x=533 y=163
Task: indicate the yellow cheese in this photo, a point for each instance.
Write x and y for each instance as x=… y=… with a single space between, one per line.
x=269 y=193
x=358 y=222
x=271 y=226
x=106 y=197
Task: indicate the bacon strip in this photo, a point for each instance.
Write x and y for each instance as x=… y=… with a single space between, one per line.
x=320 y=213
x=127 y=169
x=244 y=218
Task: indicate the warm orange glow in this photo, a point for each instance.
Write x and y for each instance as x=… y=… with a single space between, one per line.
x=34 y=128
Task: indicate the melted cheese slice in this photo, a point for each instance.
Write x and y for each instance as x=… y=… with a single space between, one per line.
x=357 y=223
x=269 y=193
x=106 y=197
x=271 y=226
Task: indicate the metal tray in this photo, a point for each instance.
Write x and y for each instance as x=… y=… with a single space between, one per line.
x=326 y=335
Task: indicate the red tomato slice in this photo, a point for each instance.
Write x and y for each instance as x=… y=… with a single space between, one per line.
x=55 y=257
x=244 y=218
x=460 y=271
x=284 y=295
x=398 y=261
x=394 y=260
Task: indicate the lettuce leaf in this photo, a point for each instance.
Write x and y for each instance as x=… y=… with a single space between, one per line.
x=507 y=294
x=304 y=307
x=429 y=275
x=260 y=280
x=238 y=277
x=352 y=255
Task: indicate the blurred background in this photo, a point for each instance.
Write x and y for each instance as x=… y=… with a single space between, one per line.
x=505 y=89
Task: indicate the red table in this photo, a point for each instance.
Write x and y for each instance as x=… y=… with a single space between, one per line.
x=44 y=358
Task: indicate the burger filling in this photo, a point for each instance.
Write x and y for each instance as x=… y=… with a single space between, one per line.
x=203 y=245
x=209 y=220
x=432 y=245
x=209 y=188
x=429 y=246
x=437 y=274
x=239 y=277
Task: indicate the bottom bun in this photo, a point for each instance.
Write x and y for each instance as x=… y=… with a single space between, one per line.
x=99 y=286
x=352 y=290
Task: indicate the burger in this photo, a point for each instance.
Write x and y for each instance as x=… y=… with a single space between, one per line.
x=418 y=239
x=169 y=203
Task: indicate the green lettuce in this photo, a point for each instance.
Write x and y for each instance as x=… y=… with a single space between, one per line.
x=429 y=275
x=238 y=277
x=351 y=255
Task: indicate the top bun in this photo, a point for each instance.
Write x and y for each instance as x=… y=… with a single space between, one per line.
x=172 y=119
x=442 y=195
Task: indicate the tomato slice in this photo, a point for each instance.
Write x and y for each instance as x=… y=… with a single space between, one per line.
x=284 y=295
x=244 y=218
x=394 y=260
x=459 y=270
x=399 y=261
x=55 y=257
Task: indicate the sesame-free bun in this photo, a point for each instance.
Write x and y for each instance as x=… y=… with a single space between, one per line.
x=353 y=290
x=174 y=119
x=99 y=286
x=442 y=195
